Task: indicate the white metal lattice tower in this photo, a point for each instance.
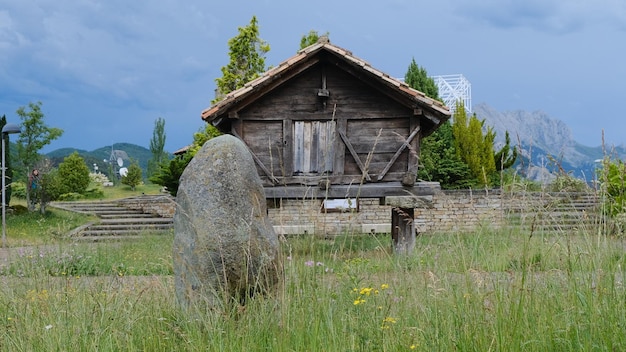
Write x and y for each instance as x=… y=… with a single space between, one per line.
x=454 y=88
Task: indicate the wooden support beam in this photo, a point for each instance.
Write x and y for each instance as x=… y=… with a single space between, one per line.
x=398 y=152
x=345 y=140
x=403 y=230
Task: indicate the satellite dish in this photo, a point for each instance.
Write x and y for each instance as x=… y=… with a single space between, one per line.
x=123 y=171
x=120 y=162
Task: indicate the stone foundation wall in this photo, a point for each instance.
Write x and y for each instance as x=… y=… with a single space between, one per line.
x=446 y=211
x=308 y=216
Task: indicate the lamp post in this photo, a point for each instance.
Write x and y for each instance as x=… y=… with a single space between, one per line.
x=6 y=130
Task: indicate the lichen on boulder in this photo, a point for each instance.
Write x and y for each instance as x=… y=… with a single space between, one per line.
x=225 y=248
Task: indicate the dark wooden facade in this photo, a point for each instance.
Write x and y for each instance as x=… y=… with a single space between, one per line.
x=327 y=119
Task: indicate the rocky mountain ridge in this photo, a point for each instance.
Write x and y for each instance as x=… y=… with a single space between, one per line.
x=546 y=143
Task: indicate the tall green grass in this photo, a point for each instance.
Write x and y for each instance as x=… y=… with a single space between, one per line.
x=32 y=228
x=489 y=290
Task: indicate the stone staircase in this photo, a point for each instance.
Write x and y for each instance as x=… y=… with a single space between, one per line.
x=555 y=212
x=116 y=221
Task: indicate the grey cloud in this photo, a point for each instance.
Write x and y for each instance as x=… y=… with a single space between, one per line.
x=551 y=16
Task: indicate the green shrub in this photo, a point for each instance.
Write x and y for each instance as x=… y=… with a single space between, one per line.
x=73 y=174
x=18 y=190
x=94 y=193
x=70 y=196
x=19 y=209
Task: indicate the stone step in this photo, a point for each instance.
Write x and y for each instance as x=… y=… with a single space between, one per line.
x=121 y=232
x=150 y=220
x=130 y=226
x=107 y=238
x=121 y=215
x=116 y=221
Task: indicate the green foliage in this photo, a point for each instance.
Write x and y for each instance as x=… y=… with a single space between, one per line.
x=311 y=38
x=247 y=59
x=417 y=78
x=94 y=193
x=565 y=182
x=50 y=187
x=506 y=156
x=74 y=175
x=613 y=181
x=19 y=189
x=474 y=147
x=157 y=146
x=170 y=171
x=134 y=177
x=34 y=136
x=439 y=161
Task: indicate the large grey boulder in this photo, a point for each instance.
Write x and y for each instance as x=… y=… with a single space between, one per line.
x=225 y=248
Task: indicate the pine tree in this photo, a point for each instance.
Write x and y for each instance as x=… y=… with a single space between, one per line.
x=417 y=78
x=247 y=59
x=506 y=156
x=157 y=146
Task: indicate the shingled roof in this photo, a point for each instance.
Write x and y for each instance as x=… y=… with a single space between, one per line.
x=211 y=114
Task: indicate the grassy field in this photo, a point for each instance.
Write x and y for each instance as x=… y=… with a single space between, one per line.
x=483 y=291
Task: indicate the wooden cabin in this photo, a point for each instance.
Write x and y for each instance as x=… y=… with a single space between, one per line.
x=326 y=124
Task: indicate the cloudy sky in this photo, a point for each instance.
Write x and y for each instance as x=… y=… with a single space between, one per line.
x=105 y=70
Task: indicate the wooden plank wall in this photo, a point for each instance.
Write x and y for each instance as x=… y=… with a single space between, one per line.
x=382 y=138
x=280 y=124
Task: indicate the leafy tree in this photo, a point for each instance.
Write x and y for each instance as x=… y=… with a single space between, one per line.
x=44 y=187
x=73 y=175
x=247 y=59
x=472 y=146
x=157 y=146
x=311 y=38
x=35 y=135
x=133 y=178
x=170 y=171
x=8 y=172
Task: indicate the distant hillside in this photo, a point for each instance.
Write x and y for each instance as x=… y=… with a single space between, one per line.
x=543 y=140
x=130 y=151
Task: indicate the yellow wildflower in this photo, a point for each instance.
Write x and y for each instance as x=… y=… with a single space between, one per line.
x=389 y=320
x=358 y=301
x=365 y=291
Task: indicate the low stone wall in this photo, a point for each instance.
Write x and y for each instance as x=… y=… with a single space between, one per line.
x=464 y=210
x=162 y=205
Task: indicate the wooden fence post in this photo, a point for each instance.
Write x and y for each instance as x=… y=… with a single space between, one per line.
x=403 y=230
